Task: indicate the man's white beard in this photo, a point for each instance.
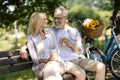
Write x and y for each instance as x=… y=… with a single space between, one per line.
x=59 y=26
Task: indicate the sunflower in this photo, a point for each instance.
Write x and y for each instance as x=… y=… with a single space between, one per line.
x=90 y=24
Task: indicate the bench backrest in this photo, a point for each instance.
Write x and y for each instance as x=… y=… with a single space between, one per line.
x=10 y=61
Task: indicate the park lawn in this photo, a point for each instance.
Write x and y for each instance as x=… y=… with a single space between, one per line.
x=20 y=75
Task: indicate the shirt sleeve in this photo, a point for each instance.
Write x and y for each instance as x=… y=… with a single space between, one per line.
x=79 y=41
x=32 y=50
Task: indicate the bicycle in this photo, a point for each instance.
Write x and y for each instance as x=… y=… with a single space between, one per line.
x=112 y=53
x=91 y=52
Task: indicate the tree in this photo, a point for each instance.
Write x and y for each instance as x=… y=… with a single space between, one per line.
x=20 y=10
x=116 y=16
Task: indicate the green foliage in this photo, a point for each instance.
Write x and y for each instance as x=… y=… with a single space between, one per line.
x=8 y=39
x=22 y=9
x=100 y=4
x=105 y=4
x=83 y=12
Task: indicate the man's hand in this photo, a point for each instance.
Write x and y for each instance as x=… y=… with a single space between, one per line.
x=23 y=52
x=65 y=42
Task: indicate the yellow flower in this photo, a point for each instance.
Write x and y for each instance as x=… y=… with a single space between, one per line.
x=90 y=24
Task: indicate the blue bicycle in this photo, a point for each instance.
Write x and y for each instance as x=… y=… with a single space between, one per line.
x=112 y=53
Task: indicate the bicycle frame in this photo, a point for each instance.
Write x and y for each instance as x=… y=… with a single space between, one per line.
x=88 y=45
x=111 y=45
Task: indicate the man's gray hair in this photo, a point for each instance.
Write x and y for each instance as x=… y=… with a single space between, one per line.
x=61 y=8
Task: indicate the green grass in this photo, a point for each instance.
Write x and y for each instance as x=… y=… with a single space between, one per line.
x=20 y=75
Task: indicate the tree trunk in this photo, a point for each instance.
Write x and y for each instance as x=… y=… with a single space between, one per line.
x=16 y=33
x=116 y=16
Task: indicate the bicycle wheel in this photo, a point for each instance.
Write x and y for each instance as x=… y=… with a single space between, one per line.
x=97 y=54
x=114 y=64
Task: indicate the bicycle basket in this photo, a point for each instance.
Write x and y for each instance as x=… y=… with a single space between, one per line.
x=94 y=33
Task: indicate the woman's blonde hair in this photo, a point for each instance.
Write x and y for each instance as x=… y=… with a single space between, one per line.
x=35 y=22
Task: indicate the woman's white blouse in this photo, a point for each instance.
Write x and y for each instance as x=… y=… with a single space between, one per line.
x=39 y=48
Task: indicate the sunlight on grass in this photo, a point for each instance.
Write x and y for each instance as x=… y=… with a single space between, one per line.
x=21 y=75
x=8 y=40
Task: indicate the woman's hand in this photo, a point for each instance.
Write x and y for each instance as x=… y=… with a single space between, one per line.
x=53 y=55
x=51 y=58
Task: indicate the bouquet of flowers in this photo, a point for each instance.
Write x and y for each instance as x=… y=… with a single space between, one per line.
x=91 y=24
x=92 y=28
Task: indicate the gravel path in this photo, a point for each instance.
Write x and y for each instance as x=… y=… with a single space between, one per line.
x=109 y=75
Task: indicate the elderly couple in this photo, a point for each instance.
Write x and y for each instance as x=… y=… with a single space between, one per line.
x=57 y=49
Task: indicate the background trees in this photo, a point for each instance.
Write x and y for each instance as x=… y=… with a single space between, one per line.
x=20 y=10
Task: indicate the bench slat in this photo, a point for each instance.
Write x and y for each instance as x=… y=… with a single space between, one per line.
x=13 y=68
x=13 y=60
x=9 y=53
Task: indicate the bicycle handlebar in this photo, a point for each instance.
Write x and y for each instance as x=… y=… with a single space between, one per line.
x=76 y=20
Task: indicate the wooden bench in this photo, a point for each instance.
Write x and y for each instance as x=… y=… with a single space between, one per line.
x=10 y=61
